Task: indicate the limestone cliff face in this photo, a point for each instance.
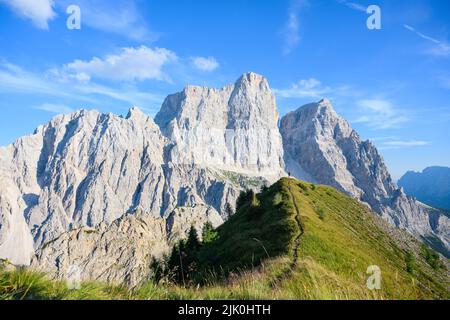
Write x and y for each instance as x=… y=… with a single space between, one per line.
x=321 y=146
x=86 y=169
x=234 y=128
x=93 y=171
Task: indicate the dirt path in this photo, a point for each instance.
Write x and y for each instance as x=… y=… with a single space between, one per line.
x=300 y=228
x=296 y=245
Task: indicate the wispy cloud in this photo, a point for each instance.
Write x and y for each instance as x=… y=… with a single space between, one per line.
x=380 y=114
x=205 y=64
x=15 y=80
x=315 y=89
x=307 y=88
x=140 y=63
x=401 y=144
x=406 y=143
x=440 y=48
x=54 y=108
x=291 y=30
x=38 y=11
x=394 y=142
x=353 y=5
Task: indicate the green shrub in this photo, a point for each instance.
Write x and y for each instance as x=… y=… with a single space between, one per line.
x=432 y=258
x=321 y=213
x=277 y=199
x=410 y=262
x=209 y=234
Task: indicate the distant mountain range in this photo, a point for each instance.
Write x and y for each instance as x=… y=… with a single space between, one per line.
x=431 y=186
x=108 y=193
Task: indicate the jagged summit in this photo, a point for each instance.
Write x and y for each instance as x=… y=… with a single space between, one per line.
x=253 y=79
x=135 y=112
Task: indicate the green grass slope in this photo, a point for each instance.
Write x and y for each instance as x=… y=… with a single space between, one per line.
x=292 y=241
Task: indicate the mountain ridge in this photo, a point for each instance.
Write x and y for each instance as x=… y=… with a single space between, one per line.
x=321 y=143
x=188 y=166
x=431 y=186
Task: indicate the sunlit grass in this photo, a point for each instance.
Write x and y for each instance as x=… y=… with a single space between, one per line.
x=342 y=238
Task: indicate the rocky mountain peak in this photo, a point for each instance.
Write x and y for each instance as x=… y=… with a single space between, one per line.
x=233 y=128
x=134 y=113
x=252 y=79
x=320 y=146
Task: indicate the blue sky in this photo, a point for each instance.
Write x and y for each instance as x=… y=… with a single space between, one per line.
x=393 y=84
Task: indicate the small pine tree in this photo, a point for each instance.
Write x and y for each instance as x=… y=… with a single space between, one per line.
x=241 y=200
x=183 y=260
x=432 y=258
x=209 y=234
x=192 y=242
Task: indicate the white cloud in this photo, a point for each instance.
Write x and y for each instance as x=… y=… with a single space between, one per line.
x=54 y=108
x=14 y=80
x=307 y=88
x=440 y=48
x=291 y=30
x=401 y=144
x=380 y=114
x=140 y=63
x=406 y=143
x=205 y=64
x=38 y=11
x=394 y=142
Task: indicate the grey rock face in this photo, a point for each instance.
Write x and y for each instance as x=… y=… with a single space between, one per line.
x=234 y=128
x=121 y=252
x=92 y=171
x=320 y=143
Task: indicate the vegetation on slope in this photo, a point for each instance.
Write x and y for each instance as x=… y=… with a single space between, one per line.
x=253 y=256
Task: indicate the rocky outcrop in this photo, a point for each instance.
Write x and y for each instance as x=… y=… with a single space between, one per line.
x=121 y=252
x=323 y=145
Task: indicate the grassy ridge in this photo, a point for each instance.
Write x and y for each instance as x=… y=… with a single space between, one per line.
x=341 y=239
x=263 y=227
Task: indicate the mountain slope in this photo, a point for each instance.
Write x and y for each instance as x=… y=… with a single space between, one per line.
x=88 y=169
x=431 y=186
x=338 y=240
x=326 y=252
x=318 y=142
x=81 y=180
